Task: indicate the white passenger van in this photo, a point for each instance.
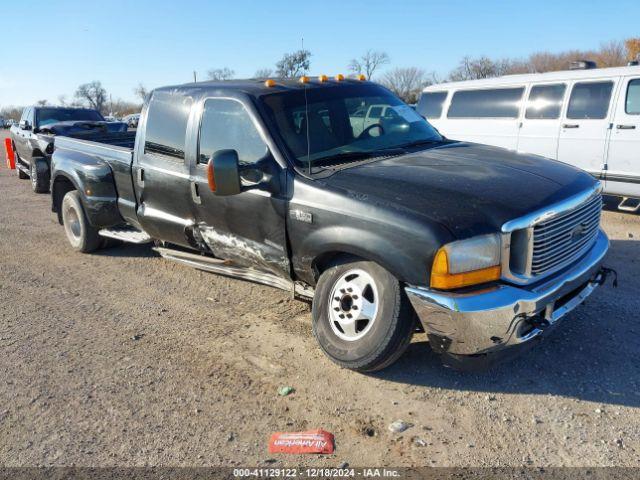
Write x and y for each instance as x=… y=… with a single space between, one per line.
x=588 y=118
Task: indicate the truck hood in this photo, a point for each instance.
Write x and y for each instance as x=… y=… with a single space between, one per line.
x=471 y=189
x=75 y=127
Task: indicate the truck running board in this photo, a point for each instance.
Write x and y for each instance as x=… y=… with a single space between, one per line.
x=227 y=268
x=126 y=234
x=629 y=204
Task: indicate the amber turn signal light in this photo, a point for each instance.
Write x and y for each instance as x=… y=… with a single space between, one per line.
x=211 y=177
x=443 y=280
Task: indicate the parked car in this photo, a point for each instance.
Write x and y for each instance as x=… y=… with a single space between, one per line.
x=132 y=120
x=33 y=138
x=587 y=118
x=268 y=182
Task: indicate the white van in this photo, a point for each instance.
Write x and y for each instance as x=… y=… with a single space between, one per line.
x=588 y=118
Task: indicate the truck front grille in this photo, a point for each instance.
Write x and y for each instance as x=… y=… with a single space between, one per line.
x=560 y=240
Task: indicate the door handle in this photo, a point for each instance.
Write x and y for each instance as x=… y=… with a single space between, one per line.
x=195 y=193
x=570 y=125
x=626 y=127
x=140 y=175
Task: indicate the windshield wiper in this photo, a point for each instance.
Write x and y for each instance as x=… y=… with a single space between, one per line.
x=418 y=143
x=355 y=156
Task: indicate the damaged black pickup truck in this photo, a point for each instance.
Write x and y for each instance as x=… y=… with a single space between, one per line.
x=387 y=226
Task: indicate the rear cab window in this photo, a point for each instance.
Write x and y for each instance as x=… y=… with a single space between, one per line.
x=590 y=100
x=486 y=103
x=431 y=104
x=167 y=119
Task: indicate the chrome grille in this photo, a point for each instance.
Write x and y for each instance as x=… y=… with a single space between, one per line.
x=561 y=239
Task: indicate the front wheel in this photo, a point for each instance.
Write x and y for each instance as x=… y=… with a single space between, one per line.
x=39 y=179
x=82 y=236
x=362 y=318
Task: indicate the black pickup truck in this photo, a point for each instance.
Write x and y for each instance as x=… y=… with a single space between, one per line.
x=32 y=139
x=387 y=226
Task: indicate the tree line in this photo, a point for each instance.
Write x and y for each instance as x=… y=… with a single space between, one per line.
x=406 y=82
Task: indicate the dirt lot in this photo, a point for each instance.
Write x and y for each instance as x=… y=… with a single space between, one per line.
x=123 y=358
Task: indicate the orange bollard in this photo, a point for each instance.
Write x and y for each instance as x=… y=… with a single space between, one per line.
x=11 y=161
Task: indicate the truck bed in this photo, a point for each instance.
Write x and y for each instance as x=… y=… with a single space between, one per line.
x=116 y=146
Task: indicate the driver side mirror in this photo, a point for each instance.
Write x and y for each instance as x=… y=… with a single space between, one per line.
x=25 y=125
x=223 y=173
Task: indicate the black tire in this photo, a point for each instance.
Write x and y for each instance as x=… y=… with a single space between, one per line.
x=82 y=236
x=390 y=332
x=21 y=174
x=39 y=179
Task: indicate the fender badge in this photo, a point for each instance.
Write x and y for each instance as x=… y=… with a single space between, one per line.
x=301 y=216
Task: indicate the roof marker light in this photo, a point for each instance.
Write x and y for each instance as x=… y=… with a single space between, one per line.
x=339 y=77
x=270 y=83
x=323 y=78
x=362 y=77
x=304 y=79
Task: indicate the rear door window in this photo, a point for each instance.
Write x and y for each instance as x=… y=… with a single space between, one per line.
x=632 y=105
x=167 y=120
x=545 y=102
x=493 y=103
x=226 y=124
x=431 y=104
x=590 y=101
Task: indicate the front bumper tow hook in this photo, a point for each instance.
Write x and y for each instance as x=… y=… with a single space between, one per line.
x=604 y=275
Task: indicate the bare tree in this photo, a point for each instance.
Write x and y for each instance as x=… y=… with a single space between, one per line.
x=218 y=74
x=62 y=100
x=368 y=63
x=263 y=73
x=407 y=83
x=41 y=103
x=93 y=94
x=141 y=92
x=294 y=64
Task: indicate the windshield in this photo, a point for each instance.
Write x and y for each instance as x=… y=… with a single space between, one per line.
x=48 y=116
x=346 y=123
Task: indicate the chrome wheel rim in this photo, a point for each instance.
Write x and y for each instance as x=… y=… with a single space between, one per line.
x=72 y=222
x=34 y=180
x=353 y=305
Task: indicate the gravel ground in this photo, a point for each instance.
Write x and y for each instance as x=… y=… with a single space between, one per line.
x=123 y=358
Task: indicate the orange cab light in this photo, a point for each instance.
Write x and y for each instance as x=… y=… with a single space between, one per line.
x=323 y=78
x=443 y=280
x=304 y=79
x=340 y=77
x=362 y=77
x=270 y=83
x=211 y=177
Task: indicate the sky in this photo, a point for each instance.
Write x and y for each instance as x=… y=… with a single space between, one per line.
x=51 y=47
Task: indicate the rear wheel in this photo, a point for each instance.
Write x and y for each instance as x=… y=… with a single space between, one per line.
x=82 y=236
x=39 y=180
x=362 y=318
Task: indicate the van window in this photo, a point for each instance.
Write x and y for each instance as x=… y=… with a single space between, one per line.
x=632 y=106
x=545 y=102
x=496 y=103
x=167 y=120
x=431 y=103
x=590 y=101
x=227 y=125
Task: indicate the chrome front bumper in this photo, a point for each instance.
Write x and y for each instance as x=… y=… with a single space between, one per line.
x=502 y=316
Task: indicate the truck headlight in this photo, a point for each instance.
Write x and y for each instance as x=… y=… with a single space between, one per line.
x=467 y=262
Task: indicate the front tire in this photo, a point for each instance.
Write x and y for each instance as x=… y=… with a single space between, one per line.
x=39 y=180
x=362 y=318
x=82 y=236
